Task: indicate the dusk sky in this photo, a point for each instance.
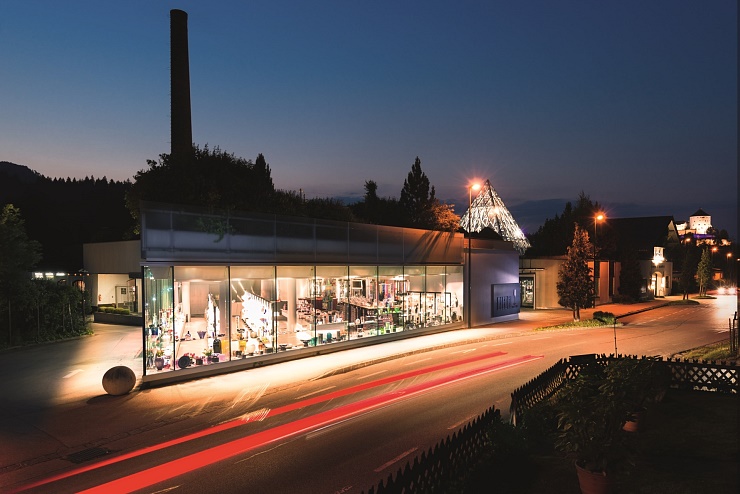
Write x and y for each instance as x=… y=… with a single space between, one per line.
x=632 y=102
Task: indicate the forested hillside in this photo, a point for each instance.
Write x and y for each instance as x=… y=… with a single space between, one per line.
x=62 y=214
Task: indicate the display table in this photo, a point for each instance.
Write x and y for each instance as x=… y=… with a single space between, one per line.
x=332 y=331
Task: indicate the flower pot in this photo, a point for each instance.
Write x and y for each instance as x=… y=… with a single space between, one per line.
x=159 y=363
x=184 y=362
x=593 y=482
x=635 y=422
x=198 y=361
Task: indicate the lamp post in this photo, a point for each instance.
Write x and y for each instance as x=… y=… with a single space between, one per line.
x=730 y=278
x=83 y=273
x=474 y=186
x=597 y=218
x=684 y=268
x=655 y=277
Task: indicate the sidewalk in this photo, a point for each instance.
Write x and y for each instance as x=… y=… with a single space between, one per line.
x=86 y=418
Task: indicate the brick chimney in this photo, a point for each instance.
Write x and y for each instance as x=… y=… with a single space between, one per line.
x=181 y=132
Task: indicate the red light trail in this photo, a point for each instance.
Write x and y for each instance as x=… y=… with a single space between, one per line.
x=215 y=454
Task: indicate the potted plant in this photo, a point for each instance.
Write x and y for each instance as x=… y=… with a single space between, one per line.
x=208 y=354
x=642 y=381
x=159 y=359
x=591 y=412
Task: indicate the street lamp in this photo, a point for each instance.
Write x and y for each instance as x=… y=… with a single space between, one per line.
x=474 y=186
x=597 y=218
x=730 y=278
x=83 y=273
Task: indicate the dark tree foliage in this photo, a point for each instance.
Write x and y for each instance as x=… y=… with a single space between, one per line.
x=220 y=181
x=556 y=234
x=62 y=214
x=208 y=178
x=417 y=208
x=575 y=285
x=31 y=310
x=688 y=258
x=630 y=277
x=291 y=203
x=417 y=198
x=704 y=271
x=379 y=210
x=19 y=255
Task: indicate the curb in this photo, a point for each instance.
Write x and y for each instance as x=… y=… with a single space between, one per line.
x=380 y=360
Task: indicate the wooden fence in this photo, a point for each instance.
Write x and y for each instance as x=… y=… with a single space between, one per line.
x=449 y=459
x=685 y=374
x=454 y=457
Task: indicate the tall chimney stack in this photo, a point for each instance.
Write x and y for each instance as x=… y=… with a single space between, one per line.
x=181 y=132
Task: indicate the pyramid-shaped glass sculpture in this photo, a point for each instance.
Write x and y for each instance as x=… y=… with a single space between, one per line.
x=488 y=210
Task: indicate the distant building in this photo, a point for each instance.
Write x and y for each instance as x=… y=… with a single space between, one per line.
x=698 y=226
x=651 y=239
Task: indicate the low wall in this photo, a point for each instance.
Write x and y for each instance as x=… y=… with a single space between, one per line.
x=122 y=319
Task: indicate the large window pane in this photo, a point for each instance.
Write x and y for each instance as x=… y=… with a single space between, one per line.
x=255 y=315
x=202 y=307
x=298 y=299
x=392 y=289
x=363 y=300
x=454 y=286
x=415 y=299
x=440 y=300
x=331 y=318
x=158 y=318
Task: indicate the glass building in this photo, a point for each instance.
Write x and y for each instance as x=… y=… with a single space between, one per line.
x=225 y=291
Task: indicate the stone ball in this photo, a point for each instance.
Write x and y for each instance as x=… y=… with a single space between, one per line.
x=119 y=380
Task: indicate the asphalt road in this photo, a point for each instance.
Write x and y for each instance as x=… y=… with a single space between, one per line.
x=339 y=444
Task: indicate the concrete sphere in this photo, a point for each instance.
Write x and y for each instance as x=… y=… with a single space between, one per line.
x=119 y=380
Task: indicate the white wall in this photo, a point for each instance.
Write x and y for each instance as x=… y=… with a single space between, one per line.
x=490 y=267
x=105 y=293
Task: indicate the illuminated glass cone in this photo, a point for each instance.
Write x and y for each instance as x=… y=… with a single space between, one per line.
x=488 y=210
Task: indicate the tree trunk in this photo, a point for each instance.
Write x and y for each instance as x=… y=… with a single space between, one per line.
x=576 y=314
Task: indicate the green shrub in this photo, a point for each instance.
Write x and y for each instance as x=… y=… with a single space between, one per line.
x=605 y=317
x=115 y=310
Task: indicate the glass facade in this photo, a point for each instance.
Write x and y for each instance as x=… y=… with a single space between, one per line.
x=205 y=314
x=226 y=286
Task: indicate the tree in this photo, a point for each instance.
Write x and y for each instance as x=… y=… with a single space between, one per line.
x=419 y=208
x=445 y=218
x=704 y=271
x=18 y=254
x=575 y=284
x=18 y=257
x=208 y=178
x=417 y=198
x=555 y=235
x=689 y=265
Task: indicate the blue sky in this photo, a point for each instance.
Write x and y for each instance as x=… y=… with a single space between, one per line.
x=632 y=102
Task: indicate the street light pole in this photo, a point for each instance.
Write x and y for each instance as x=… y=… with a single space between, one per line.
x=469 y=301
x=597 y=218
